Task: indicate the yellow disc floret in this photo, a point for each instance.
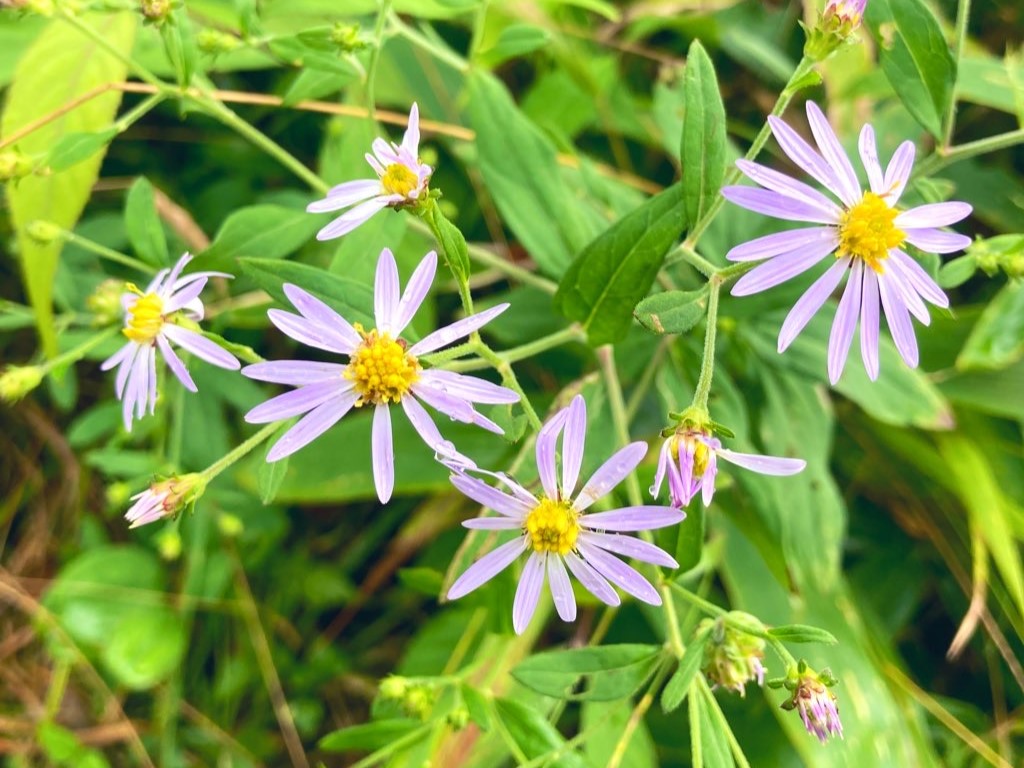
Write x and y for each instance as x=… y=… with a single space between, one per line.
x=398 y=179
x=145 y=318
x=381 y=368
x=867 y=231
x=552 y=526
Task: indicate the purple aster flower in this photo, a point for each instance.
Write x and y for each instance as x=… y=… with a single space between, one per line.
x=850 y=11
x=865 y=231
x=690 y=460
x=164 y=499
x=555 y=529
x=383 y=369
x=151 y=323
x=401 y=180
x=817 y=706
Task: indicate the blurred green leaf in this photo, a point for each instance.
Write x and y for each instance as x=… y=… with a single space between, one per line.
x=142 y=224
x=679 y=684
x=672 y=311
x=702 y=150
x=72 y=148
x=270 y=475
x=180 y=45
x=997 y=339
x=370 y=736
x=606 y=723
x=145 y=647
x=802 y=633
x=603 y=673
x=534 y=734
x=261 y=231
x=514 y=40
x=957 y=272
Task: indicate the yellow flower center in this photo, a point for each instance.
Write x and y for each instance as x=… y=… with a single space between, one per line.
x=381 y=368
x=867 y=232
x=552 y=526
x=700 y=452
x=145 y=318
x=398 y=180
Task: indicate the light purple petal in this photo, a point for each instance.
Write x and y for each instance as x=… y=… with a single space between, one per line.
x=346 y=194
x=126 y=367
x=492 y=524
x=610 y=474
x=492 y=498
x=375 y=164
x=386 y=153
x=415 y=292
x=445 y=336
x=707 y=480
x=167 y=286
x=527 y=593
x=801 y=153
x=784 y=185
x=845 y=323
x=184 y=296
x=411 y=139
x=482 y=421
x=453 y=407
x=919 y=279
x=932 y=240
x=812 y=300
x=765 y=465
x=933 y=215
x=175 y=364
x=547 y=439
x=561 y=588
x=312 y=425
x=297 y=401
x=427 y=430
x=869 y=323
x=594 y=582
x=898 y=317
x=385 y=292
x=126 y=351
x=618 y=573
x=309 y=333
x=383 y=453
x=331 y=325
x=487 y=567
x=469 y=388
x=780 y=243
x=897 y=174
x=352 y=218
x=834 y=154
x=869 y=157
x=201 y=347
x=295 y=373
x=573 y=439
x=630 y=546
x=781 y=268
x=774 y=204
x=899 y=280
x=664 y=460
x=642 y=518
x=153 y=287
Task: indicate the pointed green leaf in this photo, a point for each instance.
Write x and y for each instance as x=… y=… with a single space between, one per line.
x=352 y=300
x=599 y=674
x=370 y=736
x=534 y=734
x=678 y=686
x=702 y=153
x=75 y=147
x=802 y=633
x=261 y=231
x=142 y=224
x=997 y=339
x=672 y=311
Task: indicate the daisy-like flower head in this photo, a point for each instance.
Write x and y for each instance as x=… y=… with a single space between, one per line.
x=732 y=657
x=164 y=499
x=401 y=180
x=865 y=231
x=382 y=370
x=846 y=11
x=556 y=531
x=151 y=322
x=815 y=703
x=689 y=458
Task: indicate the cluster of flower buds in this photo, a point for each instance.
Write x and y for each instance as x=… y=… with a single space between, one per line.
x=837 y=25
x=734 y=652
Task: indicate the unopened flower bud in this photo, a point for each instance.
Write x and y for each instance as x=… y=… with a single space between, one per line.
x=458 y=718
x=166 y=498
x=346 y=37
x=215 y=42
x=43 y=232
x=18 y=380
x=837 y=25
x=733 y=657
x=155 y=11
x=814 y=701
x=105 y=302
x=14 y=165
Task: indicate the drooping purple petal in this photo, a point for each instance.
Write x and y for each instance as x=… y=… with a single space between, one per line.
x=184 y=296
x=453 y=407
x=781 y=243
x=784 y=185
x=801 y=153
x=126 y=367
x=900 y=281
x=765 y=465
x=445 y=336
x=623 y=576
x=845 y=323
x=573 y=438
x=547 y=439
x=295 y=373
x=707 y=480
x=386 y=292
x=593 y=581
x=411 y=139
x=869 y=157
x=386 y=153
x=201 y=347
x=491 y=498
x=781 y=268
x=175 y=364
x=127 y=351
x=415 y=292
x=812 y=300
x=323 y=317
x=897 y=173
x=932 y=240
x=383 y=451
x=933 y=215
x=311 y=334
x=487 y=567
x=353 y=217
x=780 y=206
x=492 y=524
x=610 y=474
x=561 y=588
x=297 y=401
x=467 y=387
x=313 y=424
x=630 y=546
x=528 y=592
x=344 y=195
x=919 y=279
x=898 y=318
x=834 y=154
x=664 y=461
x=641 y=518
x=869 y=323
x=423 y=424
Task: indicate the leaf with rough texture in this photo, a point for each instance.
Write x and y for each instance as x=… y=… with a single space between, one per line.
x=702 y=152
x=60 y=66
x=613 y=273
x=608 y=672
x=672 y=311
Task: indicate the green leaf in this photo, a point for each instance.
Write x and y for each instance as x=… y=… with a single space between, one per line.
x=678 y=686
x=606 y=723
x=145 y=647
x=352 y=300
x=997 y=339
x=60 y=66
x=262 y=231
x=142 y=224
x=702 y=152
x=75 y=147
x=915 y=58
x=604 y=673
x=534 y=734
x=672 y=311
x=714 y=745
x=270 y=476
x=180 y=45
x=613 y=273
x=452 y=242
x=514 y=40
x=957 y=272
x=802 y=633
x=370 y=736
x=476 y=704
x=520 y=168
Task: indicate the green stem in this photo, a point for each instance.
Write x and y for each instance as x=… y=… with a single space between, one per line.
x=58 y=684
x=143 y=73
x=963 y=13
x=400 y=743
x=513 y=355
x=672 y=622
x=683 y=252
x=371 y=71
x=428 y=45
x=139 y=111
x=707 y=365
x=77 y=353
x=606 y=357
x=105 y=253
x=234 y=455
x=636 y=716
x=646 y=379
x=944 y=157
x=508 y=378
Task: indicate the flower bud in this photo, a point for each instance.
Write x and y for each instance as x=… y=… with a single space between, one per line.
x=814 y=701
x=14 y=165
x=105 y=302
x=18 y=380
x=837 y=25
x=393 y=687
x=733 y=657
x=155 y=11
x=346 y=37
x=43 y=232
x=215 y=42
x=166 y=498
